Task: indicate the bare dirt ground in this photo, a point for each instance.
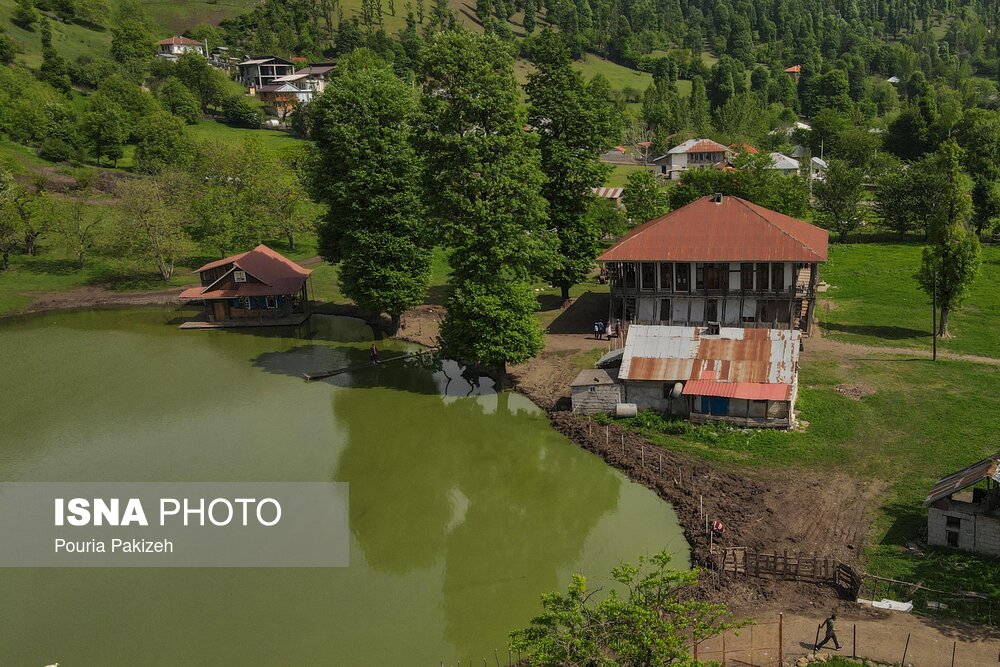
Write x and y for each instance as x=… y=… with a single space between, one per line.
x=91 y=296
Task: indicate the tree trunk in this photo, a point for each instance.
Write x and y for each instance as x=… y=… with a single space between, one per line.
x=394 y=322
x=943 y=323
x=291 y=240
x=564 y=289
x=80 y=257
x=5 y=260
x=501 y=378
x=29 y=244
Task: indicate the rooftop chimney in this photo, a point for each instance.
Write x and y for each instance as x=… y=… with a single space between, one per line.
x=717 y=197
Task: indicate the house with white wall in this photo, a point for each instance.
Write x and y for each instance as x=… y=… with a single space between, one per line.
x=692 y=154
x=963 y=509
x=719 y=259
x=174 y=47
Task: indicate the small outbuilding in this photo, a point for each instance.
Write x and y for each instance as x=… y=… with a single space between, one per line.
x=595 y=390
x=963 y=509
x=745 y=377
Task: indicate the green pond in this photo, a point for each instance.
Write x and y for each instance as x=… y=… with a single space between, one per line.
x=465 y=505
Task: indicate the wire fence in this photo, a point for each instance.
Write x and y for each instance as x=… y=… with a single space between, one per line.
x=969 y=606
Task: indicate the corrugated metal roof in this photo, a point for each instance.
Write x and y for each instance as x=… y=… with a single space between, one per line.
x=986 y=469
x=684 y=354
x=783 y=162
x=753 y=391
x=733 y=230
x=610 y=193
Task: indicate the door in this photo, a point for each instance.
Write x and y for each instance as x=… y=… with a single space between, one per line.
x=218 y=311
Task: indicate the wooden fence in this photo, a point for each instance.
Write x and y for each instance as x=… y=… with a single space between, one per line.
x=795 y=567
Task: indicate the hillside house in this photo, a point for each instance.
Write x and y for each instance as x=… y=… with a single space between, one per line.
x=718 y=259
x=747 y=377
x=282 y=98
x=692 y=154
x=259 y=287
x=174 y=47
x=963 y=509
x=784 y=164
x=256 y=73
x=310 y=78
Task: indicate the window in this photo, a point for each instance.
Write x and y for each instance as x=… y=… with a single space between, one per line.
x=629 y=310
x=246 y=303
x=699 y=276
x=763 y=273
x=628 y=275
x=716 y=276
x=953 y=522
x=648 y=276
x=712 y=310
x=664 y=310
x=777 y=277
x=952 y=537
x=592 y=390
x=239 y=276
x=666 y=275
x=682 y=275
x=746 y=276
x=272 y=302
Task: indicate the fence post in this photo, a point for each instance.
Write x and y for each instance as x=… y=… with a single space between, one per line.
x=954 y=645
x=723 y=649
x=905 y=649
x=781 y=639
x=854 y=642
x=751 y=646
x=694 y=646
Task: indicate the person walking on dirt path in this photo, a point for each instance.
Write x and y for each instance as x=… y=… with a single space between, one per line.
x=830 y=634
x=604 y=328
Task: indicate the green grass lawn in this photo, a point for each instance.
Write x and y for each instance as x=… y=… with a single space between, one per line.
x=617 y=75
x=620 y=173
x=874 y=300
x=210 y=129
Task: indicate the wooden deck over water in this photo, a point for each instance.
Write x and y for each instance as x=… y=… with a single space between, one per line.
x=291 y=321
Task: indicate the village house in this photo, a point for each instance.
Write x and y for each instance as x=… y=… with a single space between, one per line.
x=747 y=377
x=174 y=47
x=692 y=154
x=282 y=98
x=258 y=72
x=963 y=509
x=312 y=77
x=784 y=164
x=256 y=288
x=718 y=259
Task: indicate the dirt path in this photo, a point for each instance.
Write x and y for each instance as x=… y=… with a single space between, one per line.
x=826 y=347
x=881 y=636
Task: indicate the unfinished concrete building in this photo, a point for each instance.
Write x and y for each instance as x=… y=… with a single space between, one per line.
x=963 y=509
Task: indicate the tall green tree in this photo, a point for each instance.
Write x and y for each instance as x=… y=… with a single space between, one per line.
x=162 y=143
x=979 y=135
x=643 y=197
x=952 y=261
x=648 y=619
x=368 y=174
x=573 y=126
x=699 y=111
x=154 y=219
x=105 y=128
x=482 y=182
x=840 y=200
x=132 y=41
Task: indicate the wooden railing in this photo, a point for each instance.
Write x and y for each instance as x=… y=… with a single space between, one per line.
x=795 y=567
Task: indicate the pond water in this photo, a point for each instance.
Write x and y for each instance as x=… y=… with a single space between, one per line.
x=465 y=506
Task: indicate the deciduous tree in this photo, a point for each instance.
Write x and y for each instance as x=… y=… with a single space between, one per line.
x=840 y=198
x=643 y=198
x=951 y=262
x=155 y=216
x=367 y=173
x=482 y=181
x=573 y=126
x=648 y=620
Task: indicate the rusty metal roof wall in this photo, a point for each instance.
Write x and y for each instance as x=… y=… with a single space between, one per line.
x=673 y=353
x=966 y=477
x=733 y=230
x=753 y=391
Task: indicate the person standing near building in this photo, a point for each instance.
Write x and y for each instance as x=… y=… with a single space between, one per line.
x=830 y=632
x=597 y=330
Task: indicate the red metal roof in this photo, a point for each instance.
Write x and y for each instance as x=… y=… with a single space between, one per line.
x=745 y=148
x=708 y=146
x=754 y=391
x=277 y=273
x=180 y=40
x=733 y=230
x=794 y=69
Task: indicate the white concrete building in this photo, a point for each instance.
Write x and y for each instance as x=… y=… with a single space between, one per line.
x=963 y=509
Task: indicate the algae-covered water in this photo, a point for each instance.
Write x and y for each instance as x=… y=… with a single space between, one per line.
x=465 y=506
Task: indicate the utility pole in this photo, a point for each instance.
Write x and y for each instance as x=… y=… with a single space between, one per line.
x=934 y=331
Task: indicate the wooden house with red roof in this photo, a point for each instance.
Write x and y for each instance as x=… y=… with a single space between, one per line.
x=721 y=260
x=259 y=287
